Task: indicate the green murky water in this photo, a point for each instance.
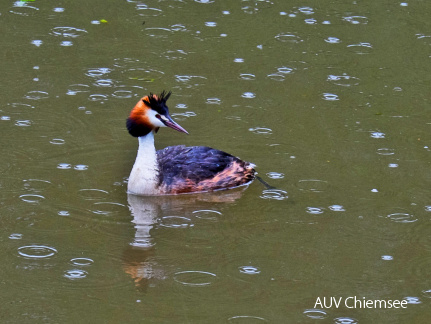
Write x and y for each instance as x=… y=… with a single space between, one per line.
x=331 y=101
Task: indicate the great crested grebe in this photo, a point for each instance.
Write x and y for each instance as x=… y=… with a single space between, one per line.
x=177 y=169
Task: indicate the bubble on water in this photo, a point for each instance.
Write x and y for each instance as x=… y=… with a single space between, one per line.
x=81 y=167
x=250 y=270
x=314 y=210
x=330 y=97
x=64 y=166
x=57 y=141
x=310 y=21
x=275 y=175
x=248 y=95
x=412 y=300
x=15 y=236
x=23 y=123
x=213 y=101
x=66 y=43
x=75 y=274
x=37 y=42
x=336 y=208
x=377 y=135
x=345 y=320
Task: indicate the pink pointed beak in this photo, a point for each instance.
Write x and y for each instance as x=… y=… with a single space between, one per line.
x=169 y=122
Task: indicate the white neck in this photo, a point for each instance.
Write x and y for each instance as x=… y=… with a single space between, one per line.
x=143 y=177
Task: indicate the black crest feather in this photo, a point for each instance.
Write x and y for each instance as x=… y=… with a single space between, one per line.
x=158 y=103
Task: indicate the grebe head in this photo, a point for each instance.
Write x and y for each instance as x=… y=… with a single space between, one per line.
x=151 y=113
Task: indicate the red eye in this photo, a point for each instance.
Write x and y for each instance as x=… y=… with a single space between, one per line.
x=158 y=116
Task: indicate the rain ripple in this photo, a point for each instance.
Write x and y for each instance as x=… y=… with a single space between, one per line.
x=315 y=313
x=385 y=151
x=175 y=55
x=176 y=222
x=332 y=40
x=108 y=208
x=412 y=300
x=314 y=210
x=23 y=123
x=260 y=130
x=77 y=88
x=288 y=38
x=81 y=261
x=275 y=194
x=207 y=214
x=36 y=251
x=247 y=76
x=248 y=95
x=336 y=208
x=22 y=8
x=195 y=278
x=356 y=20
x=36 y=95
x=190 y=80
x=92 y=194
x=343 y=80
x=275 y=175
x=143 y=74
x=345 y=320
x=213 y=101
x=361 y=48
x=146 y=11
x=75 y=274
x=158 y=32
x=330 y=97
x=312 y=185
x=32 y=199
x=402 y=218
x=250 y=270
x=246 y=319
x=377 y=135
x=97 y=72
x=71 y=32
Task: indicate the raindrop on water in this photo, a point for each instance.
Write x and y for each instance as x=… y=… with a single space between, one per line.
x=36 y=251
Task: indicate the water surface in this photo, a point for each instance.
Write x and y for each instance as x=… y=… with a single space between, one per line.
x=330 y=100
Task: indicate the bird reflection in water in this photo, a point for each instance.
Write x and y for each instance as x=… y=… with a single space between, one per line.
x=139 y=258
